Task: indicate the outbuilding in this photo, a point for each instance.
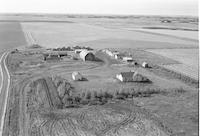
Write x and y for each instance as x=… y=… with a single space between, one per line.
x=131 y=77
x=127 y=59
x=76 y=76
x=87 y=55
x=145 y=65
x=51 y=56
x=125 y=76
x=116 y=56
x=77 y=51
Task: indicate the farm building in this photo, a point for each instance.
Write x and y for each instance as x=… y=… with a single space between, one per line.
x=51 y=56
x=116 y=56
x=115 y=53
x=134 y=63
x=87 y=55
x=109 y=52
x=145 y=65
x=166 y=21
x=62 y=53
x=76 y=76
x=131 y=77
x=127 y=59
x=77 y=51
x=125 y=76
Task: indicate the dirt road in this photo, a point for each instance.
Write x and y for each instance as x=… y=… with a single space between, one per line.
x=4 y=89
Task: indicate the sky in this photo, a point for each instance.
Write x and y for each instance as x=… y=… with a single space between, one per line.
x=122 y=7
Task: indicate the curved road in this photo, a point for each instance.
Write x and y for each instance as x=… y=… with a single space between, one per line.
x=4 y=89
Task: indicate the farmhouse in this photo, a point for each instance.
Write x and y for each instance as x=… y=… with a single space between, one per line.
x=131 y=77
x=145 y=65
x=125 y=76
x=127 y=59
x=76 y=76
x=87 y=55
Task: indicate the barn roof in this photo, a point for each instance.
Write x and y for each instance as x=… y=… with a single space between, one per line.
x=84 y=53
x=127 y=74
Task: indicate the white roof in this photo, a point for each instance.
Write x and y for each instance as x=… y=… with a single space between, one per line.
x=84 y=53
x=127 y=58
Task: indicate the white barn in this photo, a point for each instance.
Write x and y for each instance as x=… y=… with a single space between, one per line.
x=87 y=55
x=145 y=65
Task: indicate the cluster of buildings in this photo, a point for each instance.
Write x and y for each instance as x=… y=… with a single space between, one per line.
x=129 y=59
x=87 y=55
x=117 y=55
x=114 y=54
x=131 y=76
x=84 y=54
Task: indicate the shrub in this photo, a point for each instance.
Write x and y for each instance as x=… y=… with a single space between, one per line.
x=121 y=97
x=116 y=93
x=93 y=95
x=84 y=102
x=103 y=100
x=83 y=94
x=107 y=95
x=77 y=99
x=67 y=100
x=88 y=95
x=100 y=94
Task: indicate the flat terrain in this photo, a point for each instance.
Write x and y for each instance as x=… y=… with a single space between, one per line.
x=188 y=59
x=29 y=68
x=44 y=100
x=193 y=35
x=70 y=34
x=11 y=35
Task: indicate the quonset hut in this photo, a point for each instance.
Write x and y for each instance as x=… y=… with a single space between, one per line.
x=87 y=55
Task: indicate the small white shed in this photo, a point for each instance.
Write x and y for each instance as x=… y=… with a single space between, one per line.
x=76 y=76
x=128 y=59
x=145 y=65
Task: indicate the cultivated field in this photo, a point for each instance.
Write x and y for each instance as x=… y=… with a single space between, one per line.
x=11 y=36
x=70 y=34
x=193 y=35
x=188 y=59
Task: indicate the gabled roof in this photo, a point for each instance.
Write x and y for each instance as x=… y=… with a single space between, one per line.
x=127 y=74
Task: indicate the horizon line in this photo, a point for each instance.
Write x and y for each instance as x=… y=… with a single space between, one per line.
x=99 y=14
